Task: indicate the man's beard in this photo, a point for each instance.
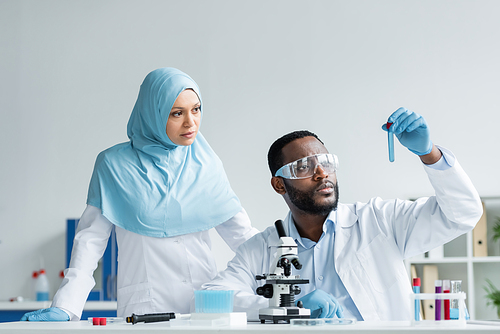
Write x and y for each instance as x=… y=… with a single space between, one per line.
x=305 y=200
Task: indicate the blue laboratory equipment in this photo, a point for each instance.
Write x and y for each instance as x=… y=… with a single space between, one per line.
x=390 y=138
x=416 y=289
x=213 y=301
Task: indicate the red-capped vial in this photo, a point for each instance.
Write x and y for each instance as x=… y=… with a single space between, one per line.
x=416 y=281
x=42 y=286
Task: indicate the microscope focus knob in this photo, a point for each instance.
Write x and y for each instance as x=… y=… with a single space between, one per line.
x=296 y=263
x=295 y=289
x=266 y=291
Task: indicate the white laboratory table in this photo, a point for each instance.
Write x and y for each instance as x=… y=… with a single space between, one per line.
x=82 y=327
x=13 y=311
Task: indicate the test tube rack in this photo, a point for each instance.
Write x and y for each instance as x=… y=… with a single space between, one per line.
x=460 y=296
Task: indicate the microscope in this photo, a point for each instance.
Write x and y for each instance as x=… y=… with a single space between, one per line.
x=280 y=286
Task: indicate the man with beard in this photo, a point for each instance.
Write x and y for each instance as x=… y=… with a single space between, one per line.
x=353 y=254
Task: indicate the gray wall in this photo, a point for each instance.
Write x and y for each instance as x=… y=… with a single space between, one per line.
x=70 y=73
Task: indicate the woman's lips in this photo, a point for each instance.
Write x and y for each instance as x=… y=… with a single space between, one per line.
x=188 y=134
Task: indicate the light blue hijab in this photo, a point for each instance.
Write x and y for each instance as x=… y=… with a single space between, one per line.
x=152 y=186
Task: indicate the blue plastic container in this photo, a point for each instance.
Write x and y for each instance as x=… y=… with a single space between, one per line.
x=213 y=301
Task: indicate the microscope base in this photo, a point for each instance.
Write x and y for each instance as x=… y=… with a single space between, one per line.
x=276 y=314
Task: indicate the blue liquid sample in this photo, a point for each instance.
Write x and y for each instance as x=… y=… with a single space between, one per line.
x=416 y=289
x=42 y=296
x=390 y=138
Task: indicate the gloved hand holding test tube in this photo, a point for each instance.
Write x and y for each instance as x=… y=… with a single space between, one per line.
x=411 y=130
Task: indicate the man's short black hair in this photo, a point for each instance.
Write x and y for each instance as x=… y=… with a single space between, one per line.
x=275 y=154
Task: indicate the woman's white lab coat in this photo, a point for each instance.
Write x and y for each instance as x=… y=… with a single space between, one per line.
x=155 y=275
x=371 y=241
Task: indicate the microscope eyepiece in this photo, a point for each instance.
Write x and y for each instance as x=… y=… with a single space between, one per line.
x=280 y=228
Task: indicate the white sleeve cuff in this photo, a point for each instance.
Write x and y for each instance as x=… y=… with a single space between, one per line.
x=446 y=161
x=72 y=317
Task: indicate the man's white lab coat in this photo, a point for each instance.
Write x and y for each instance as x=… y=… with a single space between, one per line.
x=371 y=241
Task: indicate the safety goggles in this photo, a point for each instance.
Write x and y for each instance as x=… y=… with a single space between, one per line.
x=306 y=167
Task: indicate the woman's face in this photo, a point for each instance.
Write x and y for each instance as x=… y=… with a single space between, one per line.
x=184 y=119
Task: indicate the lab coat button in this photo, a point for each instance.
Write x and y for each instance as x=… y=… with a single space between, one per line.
x=320 y=278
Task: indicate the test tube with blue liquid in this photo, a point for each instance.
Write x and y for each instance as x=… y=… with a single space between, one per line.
x=416 y=289
x=456 y=287
x=390 y=139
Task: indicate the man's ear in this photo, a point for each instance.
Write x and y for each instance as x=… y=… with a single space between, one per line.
x=278 y=185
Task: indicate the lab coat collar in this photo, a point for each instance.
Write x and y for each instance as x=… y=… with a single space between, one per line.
x=345 y=216
x=346 y=219
x=328 y=224
x=343 y=219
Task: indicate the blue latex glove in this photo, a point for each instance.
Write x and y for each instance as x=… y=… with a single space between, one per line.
x=322 y=305
x=46 y=314
x=411 y=130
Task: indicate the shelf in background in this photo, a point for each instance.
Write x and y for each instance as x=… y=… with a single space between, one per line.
x=458 y=262
x=458 y=259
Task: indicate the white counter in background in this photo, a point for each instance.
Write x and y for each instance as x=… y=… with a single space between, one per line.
x=82 y=327
x=32 y=305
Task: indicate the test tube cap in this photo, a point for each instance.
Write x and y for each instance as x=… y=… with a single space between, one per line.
x=416 y=281
x=456 y=286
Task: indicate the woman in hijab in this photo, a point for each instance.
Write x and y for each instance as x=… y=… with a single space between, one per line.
x=161 y=191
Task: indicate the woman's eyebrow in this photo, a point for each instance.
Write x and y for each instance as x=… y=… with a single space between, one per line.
x=194 y=105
